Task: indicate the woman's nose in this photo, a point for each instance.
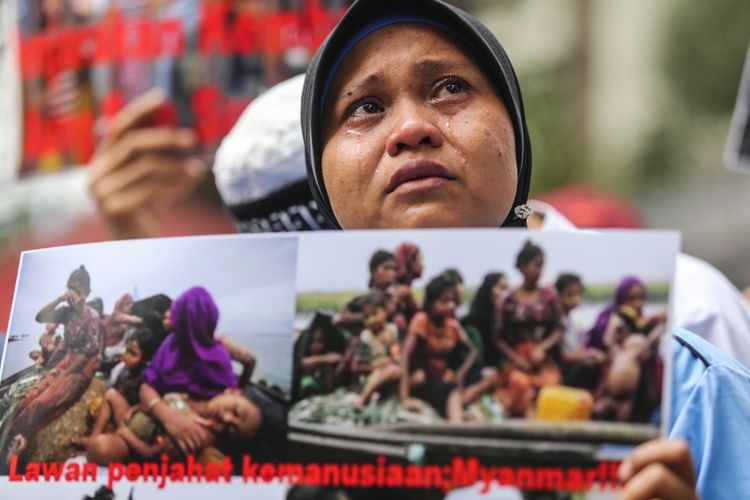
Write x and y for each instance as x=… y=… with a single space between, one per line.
x=414 y=128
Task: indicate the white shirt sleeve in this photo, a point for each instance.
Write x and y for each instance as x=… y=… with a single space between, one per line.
x=707 y=304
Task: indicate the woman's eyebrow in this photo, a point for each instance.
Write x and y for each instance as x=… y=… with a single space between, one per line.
x=429 y=66
x=364 y=84
x=436 y=66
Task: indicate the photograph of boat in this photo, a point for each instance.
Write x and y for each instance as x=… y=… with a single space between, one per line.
x=141 y=356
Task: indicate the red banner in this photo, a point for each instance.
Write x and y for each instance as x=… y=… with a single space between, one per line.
x=80 y=63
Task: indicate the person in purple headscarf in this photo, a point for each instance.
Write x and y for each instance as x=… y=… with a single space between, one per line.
x=631 y=377
x=190 y=360
x=625 y=313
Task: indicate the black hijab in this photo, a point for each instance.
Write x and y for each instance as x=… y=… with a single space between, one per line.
x=365 y=17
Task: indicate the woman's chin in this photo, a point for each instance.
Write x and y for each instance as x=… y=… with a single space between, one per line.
x=431 y=215
x=440 y=219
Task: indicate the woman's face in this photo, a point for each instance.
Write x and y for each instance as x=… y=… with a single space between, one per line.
x=571 y=296
x=126 y=305
x=415 y=135
x=445 y=305
x=385 y=275
x=234 y=416
x=375 y=317
x=167 y=320
x=416 y=266
x=458 y=293
x=532 y=270
x=76 y=296
x=132 y=357
x=317 y=343
x=498 y=289
x=636 y=297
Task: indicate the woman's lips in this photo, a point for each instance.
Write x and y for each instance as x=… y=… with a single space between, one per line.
x=418 y=175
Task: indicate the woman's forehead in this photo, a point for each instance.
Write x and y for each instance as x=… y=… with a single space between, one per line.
x=420 y=48
x=412 y=31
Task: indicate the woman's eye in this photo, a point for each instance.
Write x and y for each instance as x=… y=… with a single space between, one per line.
x=365 y=108
x=453 y=87
x=450 y=86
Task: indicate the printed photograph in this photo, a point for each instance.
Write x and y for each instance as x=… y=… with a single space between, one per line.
x=133 y=351
x=480 y=336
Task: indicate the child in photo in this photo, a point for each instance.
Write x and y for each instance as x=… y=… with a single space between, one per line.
x=49 y=342
x=434 y=334
x=140 y=345
x=227 y=417
x=320 y=359
x=581 y=365
x=376 y=353
x=383 y=272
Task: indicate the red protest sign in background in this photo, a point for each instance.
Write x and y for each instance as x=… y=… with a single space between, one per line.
x=82 y=61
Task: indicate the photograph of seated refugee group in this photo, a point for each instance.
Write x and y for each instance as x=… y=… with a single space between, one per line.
x=440 y=355
x=296 y=249
x=529 y=344
x=184 y=372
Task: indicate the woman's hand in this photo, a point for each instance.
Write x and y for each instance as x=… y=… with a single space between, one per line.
x=401 y=292
x=595 y=356
x=310 y=363
x=140 y=448
x=538 y=355
x=522 y=364
x=72 y=297
x=662 y=468
x=129 y=414
x=188 y=431
x=658 y=318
